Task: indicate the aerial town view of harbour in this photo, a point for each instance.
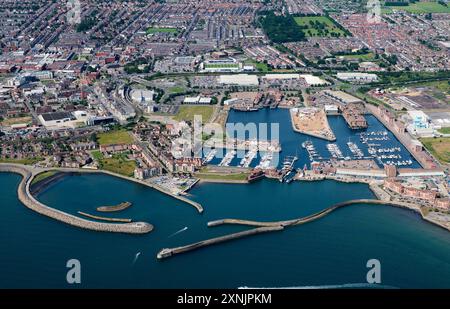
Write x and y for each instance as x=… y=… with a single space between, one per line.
x=177 y=144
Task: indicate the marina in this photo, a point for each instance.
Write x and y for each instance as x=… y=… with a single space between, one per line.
x=266 y=161
x=248 y=158
x=364 y=143
x=228 y=157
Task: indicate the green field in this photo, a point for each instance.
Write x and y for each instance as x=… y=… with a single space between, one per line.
x=419 y=8
x=153 y=30
x=364 y=57
x=226 y=177
x=97 y=155
x=439 y=147
x=27 y=161
x=444 y=130
x=319 y=26
x=119 y=164
x=176 y=89
x=187 y=112
x=114 y=137
x=260 y=66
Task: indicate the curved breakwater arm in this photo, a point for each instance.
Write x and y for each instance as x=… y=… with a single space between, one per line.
x=29 y=201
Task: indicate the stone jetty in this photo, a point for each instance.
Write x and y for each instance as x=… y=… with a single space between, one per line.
x=29 y=201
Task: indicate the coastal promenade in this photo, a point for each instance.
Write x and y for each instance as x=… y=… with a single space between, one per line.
x=29 y=201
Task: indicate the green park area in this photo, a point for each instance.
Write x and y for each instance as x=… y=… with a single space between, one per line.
x=439 y=147
x=239 y=177
x=417 y=7
x=187 y=113
x=153 y=30
x=323 y=26
x=364 y=57
x=114 y=137
x=280 y=28
x=117 y=163
x=176 y=89
x=444 y=130
x=260 y=66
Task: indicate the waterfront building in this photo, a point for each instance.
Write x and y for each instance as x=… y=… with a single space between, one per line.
x=442 y=204
x=391 y=170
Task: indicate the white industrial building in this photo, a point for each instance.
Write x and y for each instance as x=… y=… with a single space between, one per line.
x=357 y=77
x=419 y=123
x=57 y=119
x=239 y=80
x=197 y=100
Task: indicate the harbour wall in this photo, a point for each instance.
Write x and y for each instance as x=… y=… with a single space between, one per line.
x=30 y=202
x=196 y=205
x=167 y=252
x=320 y=214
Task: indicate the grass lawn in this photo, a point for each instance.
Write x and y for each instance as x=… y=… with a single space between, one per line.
x=364 y=57
x=27 y=161
x=43 y=176
x=18 y=120
x=231 y=177
x=176 y=89
x=152 y=30
x=444 y=130
x=119 y=164
x=419 y=8
x=114 y=137
x=97 y=155
x=439 y=147
x=260 y=66
x=187 y=112
x=326 y=29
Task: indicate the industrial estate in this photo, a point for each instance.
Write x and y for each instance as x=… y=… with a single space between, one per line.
x=358 y=94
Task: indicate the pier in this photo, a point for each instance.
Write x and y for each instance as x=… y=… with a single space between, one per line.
x=168 y=252
x=30 y=202
x=104 y=218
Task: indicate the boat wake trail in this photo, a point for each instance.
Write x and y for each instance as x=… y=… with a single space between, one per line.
x=136 y=257
x=331 y=286
x=180 y=231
